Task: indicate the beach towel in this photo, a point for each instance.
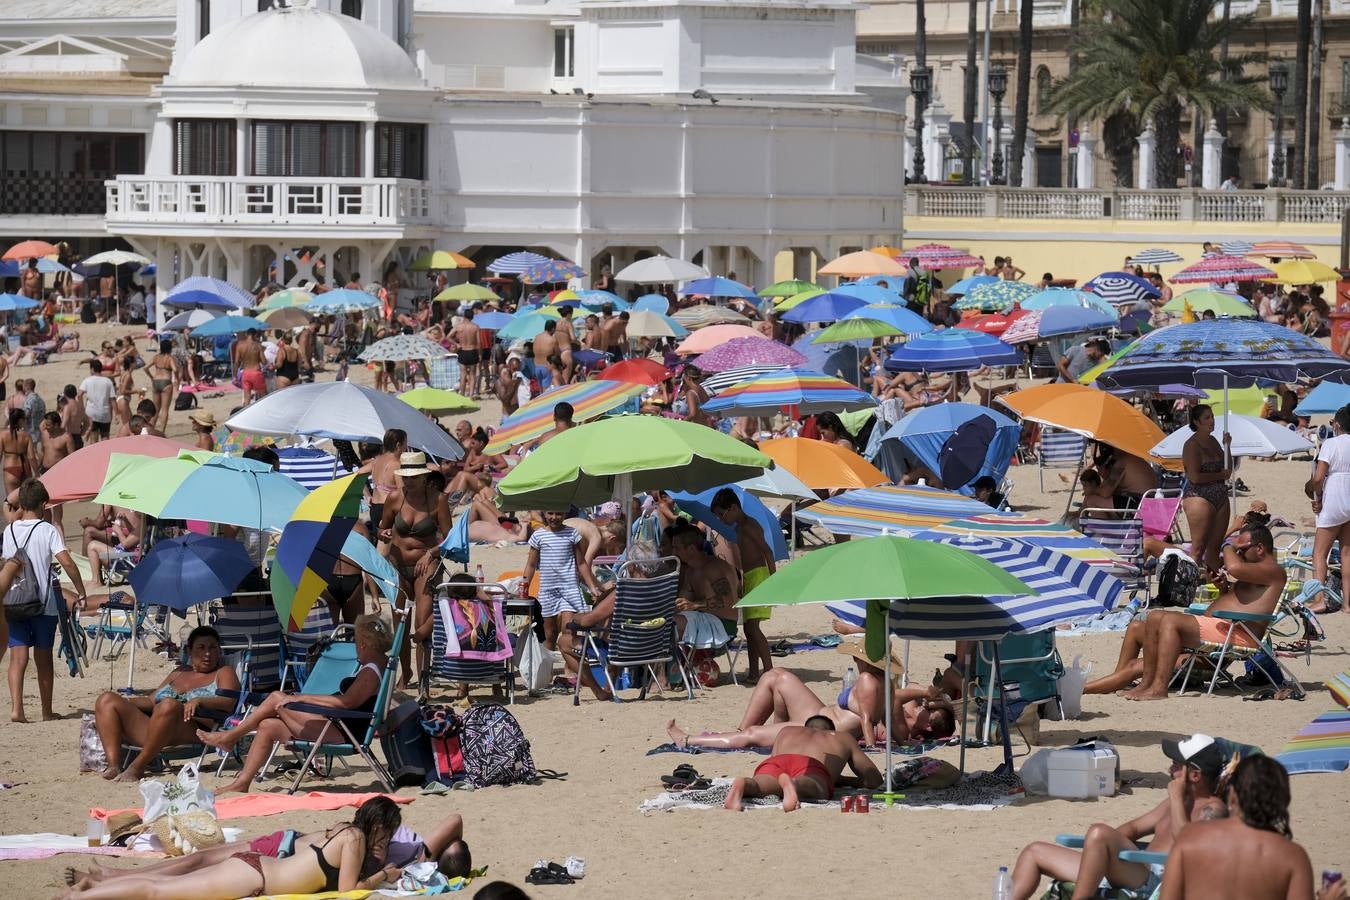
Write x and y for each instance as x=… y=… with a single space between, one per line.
x=1323 y=745
x=246 y=805
x=41 y=846
x=1339 y=685
x=479 y=631
x=978 y=792
x=897 y=749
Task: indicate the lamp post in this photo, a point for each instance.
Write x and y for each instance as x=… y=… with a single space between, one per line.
x=1279 y=83
x=998 y=86
x=920 y=80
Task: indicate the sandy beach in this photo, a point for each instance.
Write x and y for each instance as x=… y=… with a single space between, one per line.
x=594 y=813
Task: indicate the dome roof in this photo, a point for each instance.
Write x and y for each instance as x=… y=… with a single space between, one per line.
x=299 y=47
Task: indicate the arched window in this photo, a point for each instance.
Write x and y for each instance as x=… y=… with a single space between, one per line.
x=1043 y=88
x=203 y=18
x=351 y=8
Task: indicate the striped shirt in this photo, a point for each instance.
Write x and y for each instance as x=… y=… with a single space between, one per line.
x=557 y=563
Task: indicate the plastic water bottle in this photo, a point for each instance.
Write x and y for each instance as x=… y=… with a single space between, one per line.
x=1305 y=547
x=1002 y=884
x=478 y=573
x=850 y=676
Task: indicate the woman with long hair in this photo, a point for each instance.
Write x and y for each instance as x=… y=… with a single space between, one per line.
x=1205 y=498
x=415 y=521
x=163 y=372
x=17 y=449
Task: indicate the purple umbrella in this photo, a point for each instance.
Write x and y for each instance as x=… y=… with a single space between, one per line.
x=748 y=351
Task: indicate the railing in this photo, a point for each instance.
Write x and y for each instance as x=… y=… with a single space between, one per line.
x=229 y=200
x=1183 y=205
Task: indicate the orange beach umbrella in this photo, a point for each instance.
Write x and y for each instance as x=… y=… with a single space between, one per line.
x=1092 y=413
x=821 y=465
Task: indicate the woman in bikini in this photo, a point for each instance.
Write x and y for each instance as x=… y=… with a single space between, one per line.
x=288 y=361
x=346 y=591
x=383 y=481
x=126 y=387
x=168 y=717
x=271 y=722
x=163 y=372
x=1205 y=498
x=415 y=521
x=338 y=862
x=17 y=449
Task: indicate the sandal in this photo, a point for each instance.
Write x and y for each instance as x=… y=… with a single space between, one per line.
x=548 y=875
x=683 y=774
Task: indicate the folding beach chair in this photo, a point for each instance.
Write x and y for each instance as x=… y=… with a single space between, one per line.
x=295 y=645
x=1143 y=856
x=485 y=625
x=248 y=620
x=1029 y=668
x=1059 y=450
x=1256 y=649
x=1122 y=533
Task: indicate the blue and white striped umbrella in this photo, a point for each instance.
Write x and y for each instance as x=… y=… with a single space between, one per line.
x=1122 y=287
x=952 y=350
x=1067 y=590
x=227 y=293
x=515 y=263
x=310 y=466
x=1236 y=248
x=1154 y=256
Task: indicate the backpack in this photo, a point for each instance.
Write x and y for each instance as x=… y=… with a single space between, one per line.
x=26 y=598
x=407 y=748
x=185 y=401
x=923 y=292
x=495 y=749
x=1179 y=580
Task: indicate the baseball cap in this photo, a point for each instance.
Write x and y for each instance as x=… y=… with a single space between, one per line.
x=1199 y=750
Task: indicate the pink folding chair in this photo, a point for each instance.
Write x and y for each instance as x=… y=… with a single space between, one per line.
x=1158 y=515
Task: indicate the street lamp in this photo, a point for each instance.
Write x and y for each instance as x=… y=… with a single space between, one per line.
x=1279 y=83
x=920 y=81
x=998 y=86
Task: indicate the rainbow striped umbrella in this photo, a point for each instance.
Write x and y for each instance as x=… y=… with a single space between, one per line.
x=803 y=390
x=1030 y=530
x=1221 y=269
x=588 y=398
x=1339 y=686
x=310 y=545
x=1281 y=250
x=1323 y=745
x=998 y=297
x=869 y=512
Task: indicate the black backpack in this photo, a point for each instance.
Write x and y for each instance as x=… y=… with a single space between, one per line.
x=184 y=401
x=26 y=597
x=495 y=748
x=1179 y=581
x=406 y=746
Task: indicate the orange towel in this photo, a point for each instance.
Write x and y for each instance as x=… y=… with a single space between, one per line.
x=243 y=805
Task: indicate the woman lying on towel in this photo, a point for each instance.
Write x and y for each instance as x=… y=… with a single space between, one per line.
x=274 y=723
x=330 y=861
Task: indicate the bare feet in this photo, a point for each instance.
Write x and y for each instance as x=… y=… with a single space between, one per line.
x=111 y=772
x=132 y=774
x=679 y=736
x=235 y=787
x=50 y=716
x=734 y=795
x=221 y=740
x=790 y=800
x=1140 y=693
x=19 y=717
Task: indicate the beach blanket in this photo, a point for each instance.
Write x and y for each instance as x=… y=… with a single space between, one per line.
x=897 y=749
x=1116 y=620
x=979 y=791
x=1323 y=745
x=245 y=805
x=1339 y=685
x=43 y=845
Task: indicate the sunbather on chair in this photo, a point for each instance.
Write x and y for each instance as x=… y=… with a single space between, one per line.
x=1256 y=582
x=806 y=764
x=707 y=584
x=1197 y=764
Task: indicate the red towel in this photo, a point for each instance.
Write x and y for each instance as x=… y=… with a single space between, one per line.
x=243 y=805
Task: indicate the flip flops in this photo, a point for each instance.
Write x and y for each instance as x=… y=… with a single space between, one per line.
x=685 y=778
x=549 y=873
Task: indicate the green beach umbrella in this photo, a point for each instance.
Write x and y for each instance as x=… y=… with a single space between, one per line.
x=855 y=329
x=788 y=288
x=797 y=298
x=467 y=293
x=437 y=401
x=1246 y=401
x=1221 y=303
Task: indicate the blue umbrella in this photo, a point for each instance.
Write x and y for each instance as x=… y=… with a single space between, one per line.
x=700 y=507
x=492 y=321
x=515 y=263
x=11 y=268
x=832 y=359
x=1154 y=256
x=1327 y=398
x=342 y=300
x=1057 y=320
x=228 y=325
x=198 y=300
x=214 y=287
x=184 y=571
x=952 y=350
x=653 y=302
x=889 y=281
x=961 y=456
x=523 y=327
x=1122 y=287
x=870 y=293
x=899 y=317
x=828 y=307
x=924 y=432
x=966 y=285
x=1049 y=297
x=717 y=286
x=15 y=303
x=594 y=299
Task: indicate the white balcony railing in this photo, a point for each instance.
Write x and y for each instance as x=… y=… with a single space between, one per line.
x=230 y=200
x=1187 y=205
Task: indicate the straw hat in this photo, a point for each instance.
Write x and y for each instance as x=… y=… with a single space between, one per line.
x=412 y=464
x=122 y=825
x=204 y=418
x=855 y=649
x=183 y=834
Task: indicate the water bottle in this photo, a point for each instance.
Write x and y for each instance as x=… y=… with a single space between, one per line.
x=478 y=573
x=850 y=676
x=1305 y=547
x=1002 y=884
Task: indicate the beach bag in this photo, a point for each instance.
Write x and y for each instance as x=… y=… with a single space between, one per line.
x=495 y=748
x=1179 y=579
x=406 y=746
x=178 y=796
x=26 y=597
x=92 y=756
x=184 y=401
x=442 y=726
x=535 y=663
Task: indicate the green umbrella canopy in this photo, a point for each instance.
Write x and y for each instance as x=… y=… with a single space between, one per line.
x=1221 y=303
x=584 y=465
x=788 y=288
x=795 y=299
x=856 y=329
x=437 y=401
x=467 y=292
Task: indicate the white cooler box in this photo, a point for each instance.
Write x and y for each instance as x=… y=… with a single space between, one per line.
x=1092 y=770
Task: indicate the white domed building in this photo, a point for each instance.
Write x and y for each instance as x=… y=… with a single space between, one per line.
x=354 y=133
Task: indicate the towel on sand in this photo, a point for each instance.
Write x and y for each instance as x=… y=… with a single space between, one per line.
x=980 y=791
x=242 y=805
x=41 y=846
x=897 y=749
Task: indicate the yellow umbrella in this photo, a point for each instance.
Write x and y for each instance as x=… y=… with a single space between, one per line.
x=441 y=259
x=861 y=263
x=1243 y=401
x=1304 y=271
x=467 y=293
x=565 y=295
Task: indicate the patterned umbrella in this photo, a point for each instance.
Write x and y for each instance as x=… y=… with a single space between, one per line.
x=1044 y=299
x=1122 y=287
x=1220 y=268
x=717 y=287
x=1039 y=324
x=1029 y=530
x=952 y=350
x=992 y=323
x=283 y=299
x=902 y=318
x=747 y=351
x=515 y=263
x=940 y=256
x=1235 y=248
x=999 y=296
x=551 y=271
x=403 y=347
x=868 y=512
x=1154 y=256
x=342 y=300
x=703 y=315
x=1212 y=352
x=828 y=307
x=226 y=293
x=804 y=391
x=1280 y=250
x=966 y=285
x=588 y=398
x=715 y=384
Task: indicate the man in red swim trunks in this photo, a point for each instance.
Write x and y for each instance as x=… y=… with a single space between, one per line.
x=806 y=764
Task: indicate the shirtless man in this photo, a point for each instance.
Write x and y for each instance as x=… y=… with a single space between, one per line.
x=56 y=446
x=545 y=346
x=562 y=421
x=248 y=357
x=567 y=338
x=597 y=540
x=707 y=584
x=1258 y=581
x=466 y=337
x=615 y=329
x=513 y=388
x=74 y=419
x=30 y=284
x=805 y=765
x=1197 y=763
x=595 y=335
x=757 y=564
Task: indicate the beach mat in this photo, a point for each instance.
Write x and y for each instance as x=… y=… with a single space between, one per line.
x=44 y=845
x=245 y=805
x=978 y=792
x=1323 y=745
x=896 y=749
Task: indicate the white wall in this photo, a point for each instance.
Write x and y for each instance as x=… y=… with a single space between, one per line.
x=485 y=54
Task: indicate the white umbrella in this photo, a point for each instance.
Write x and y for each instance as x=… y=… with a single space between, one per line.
x=342 y=411
x=1251 y=437
x=403 y=347
x=778 y=482
x=647 y=323
x=115 y=258
x=190 y=318
x=660 y=270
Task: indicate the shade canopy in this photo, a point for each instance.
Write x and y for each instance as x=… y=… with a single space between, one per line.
x=1251 y=437
x=923 y=433
x=587 y=398
x=821 y=465
x=434 y=260
x=899 y=510
x=717 y=286
x=660 y=270
x=403 y=347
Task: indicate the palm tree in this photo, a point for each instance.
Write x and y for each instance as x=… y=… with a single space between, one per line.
x=1294 y=160
x=1152 y=58
x=1023 y=101
x=1315 y=100
x=971 y=93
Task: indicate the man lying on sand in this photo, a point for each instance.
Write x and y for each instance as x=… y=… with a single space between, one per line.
x=1197 y=764
x=1256 y=582
x=806 y=764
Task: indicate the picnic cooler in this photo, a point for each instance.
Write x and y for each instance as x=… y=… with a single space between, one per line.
x=1087 y=770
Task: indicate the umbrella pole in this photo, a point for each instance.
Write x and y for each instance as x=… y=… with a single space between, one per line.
x=904 y=675
x=1007 y=766
x=889 y=795
x=965 y=703
x=1073 y=488
x=1227 y=449
x=131 y=658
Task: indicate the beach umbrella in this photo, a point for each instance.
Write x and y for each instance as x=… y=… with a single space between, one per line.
x=969 y=283
x=657 y=303
x=698 y=505
x=746 y=351
x=403 y=347
x=900 y=317
x=1338 y=686
x=1154 y=256
x=961 y=456
x=871 y=294
x=893 y=509
x=1323 y=745
x=467 y=293
x=1051 y=297
x=1221 y=269
x=720 y=381
x=342 y=411
x=783 y=306
x=286 y=298
x=1096 y=415
x=1326 y=398
x=1122 y=287
x=15 y=303
x=849 y=330
x=552 y=271
x=660 y=270
x=1055 y=321
x=801 y=391
x=524 y=327
x=1030 y=530
x=991 y=323
x=437 y=260
x=1251 y=437
x=778 y=483
x=1221 y=303
x=1235 y=247
x=861 y=262
x=1248 y=401
x=11 y=268
x=227 y=325
x=649 y=323
x=925 y=432
x=787 y=288
x=593 y=300
x=199 y=300
x=827 y=307
x=116 y=259
x=940 y=256
x=183 y=571
x=951 y=350
x=821 y=465
x=342 y=300
x=1280 y=250
x=623 y=456
x=515 y=263
x=999 y=296
x=1304 y=271
x=81 y=474
x=492 y=320
x=589 y=399
x=717 y=286
x=285 y=318
x=200 y=288
x=310 y=546
x=189 y=319
x=25 y=250
x=438 y=401
x=639 y=370
x=705 y=316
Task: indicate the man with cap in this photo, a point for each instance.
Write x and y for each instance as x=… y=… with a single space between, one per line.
x=1197 y=764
